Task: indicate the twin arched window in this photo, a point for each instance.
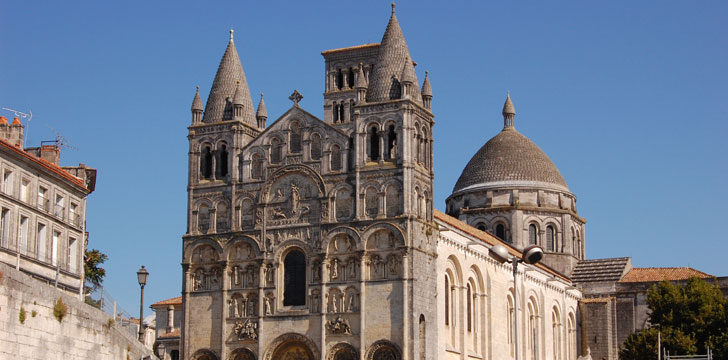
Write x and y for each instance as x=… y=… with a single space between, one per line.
x=550 y=239
x=276 y=151
x=296 y=138
x=315 y=146
x=532 y=239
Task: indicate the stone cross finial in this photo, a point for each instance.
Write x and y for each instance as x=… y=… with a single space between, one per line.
x=231 y=34
x=295 y=97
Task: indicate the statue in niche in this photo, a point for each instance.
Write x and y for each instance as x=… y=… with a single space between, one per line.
x=267 y=307
x=339 y=326
x=315 y=302
x=214 y=279
x=295 y=197
x=252 y=310
x=351 y=269
x=393 y=150
x=334 y=269
x=350 y=304
x=234 y=276
x=316 y=271
x=392 y=240
x=250 y=272
x=246 y=330
x=269 y=274
x=241 y=307
x=232 y=309
x=377 y=266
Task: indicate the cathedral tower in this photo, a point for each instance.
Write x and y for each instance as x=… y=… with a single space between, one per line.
x=303 y=235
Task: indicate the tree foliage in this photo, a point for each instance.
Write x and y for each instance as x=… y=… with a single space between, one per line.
x=94 y=273
x=690 y=318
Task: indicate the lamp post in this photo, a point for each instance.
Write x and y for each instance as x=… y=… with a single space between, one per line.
x=531 y=255
x=160 y=350
x=142 y=275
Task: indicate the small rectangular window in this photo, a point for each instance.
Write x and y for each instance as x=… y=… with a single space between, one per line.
x=8 y=182
x=5 y=228
x=60 y=207
x=72 y=256
x=54 y=247
x=42 y=198
x=24 y=187
x=42 y=242
x=73 y=214
x=23 y=247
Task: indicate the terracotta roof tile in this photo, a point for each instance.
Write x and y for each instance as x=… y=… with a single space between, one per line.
x=652 y=274
x=46 y=164
x=173 y=301
x=488 y=239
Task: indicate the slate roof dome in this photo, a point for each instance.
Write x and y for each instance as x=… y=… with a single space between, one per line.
x=510 y=158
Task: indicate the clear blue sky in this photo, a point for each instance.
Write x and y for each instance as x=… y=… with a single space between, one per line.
x=627 y=98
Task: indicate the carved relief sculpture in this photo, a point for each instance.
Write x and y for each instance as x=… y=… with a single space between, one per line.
x=338 y=326
x=247 y=330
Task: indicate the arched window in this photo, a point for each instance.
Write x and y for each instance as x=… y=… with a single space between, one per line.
x=532 y=331
x=335 y=112
x=276 y=151
x=556 y=333
x=315 y=146
x=294 y=292
x=203 y=218
x=335 y=158
x=350 y=78
x=447 y=300
x=571 y=337
x=500 y=231
x=469 y=306
x=510 y=325
x=579 y=248
x=248 y=213
x=206 y=163
x=373 y=144
x=532 y=234
x=423 y=338
x=391 y=153
x=295 y=137
x=481 y=227
x=221 y=168
x=341 y=112
x=339 y=79
x=221 y=217
x=550 y=243
x=423 y=148
x=256 y=171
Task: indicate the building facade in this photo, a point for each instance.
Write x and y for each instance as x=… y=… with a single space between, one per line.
x=42 y=210
x=317 y=239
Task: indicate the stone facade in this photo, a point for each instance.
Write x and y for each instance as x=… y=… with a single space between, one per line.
x=317 y=239
x=42 y=210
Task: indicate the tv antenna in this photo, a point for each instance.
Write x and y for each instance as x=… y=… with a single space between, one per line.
x=22 y=115
x=60 y=141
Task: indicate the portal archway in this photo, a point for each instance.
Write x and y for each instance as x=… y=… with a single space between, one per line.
x=292 y=346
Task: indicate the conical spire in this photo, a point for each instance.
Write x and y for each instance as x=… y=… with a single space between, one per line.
x=262 y=112
x=197 y=102
x=426 y=87
x=219 y=103
x=238 y=98
x=509 y=112
x=361 y=81
x=384 y=80
x=408 y=72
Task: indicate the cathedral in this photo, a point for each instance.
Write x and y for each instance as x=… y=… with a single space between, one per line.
x=312 y=239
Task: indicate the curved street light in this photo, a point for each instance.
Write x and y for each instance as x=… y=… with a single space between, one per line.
x=531 y=255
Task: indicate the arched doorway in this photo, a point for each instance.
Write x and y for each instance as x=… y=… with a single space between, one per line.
x=292 y=347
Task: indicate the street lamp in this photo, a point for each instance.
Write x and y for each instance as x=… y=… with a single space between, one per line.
x=531 y=255
x=160 y=350
x=142 y=275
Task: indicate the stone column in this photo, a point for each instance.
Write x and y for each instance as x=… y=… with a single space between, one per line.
x=224 y=287
x=363 y=275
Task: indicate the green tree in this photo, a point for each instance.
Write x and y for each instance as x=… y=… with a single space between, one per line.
x=94 y=273
x=690 y=318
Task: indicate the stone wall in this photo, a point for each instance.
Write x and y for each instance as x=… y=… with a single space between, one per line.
x=84 y=332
